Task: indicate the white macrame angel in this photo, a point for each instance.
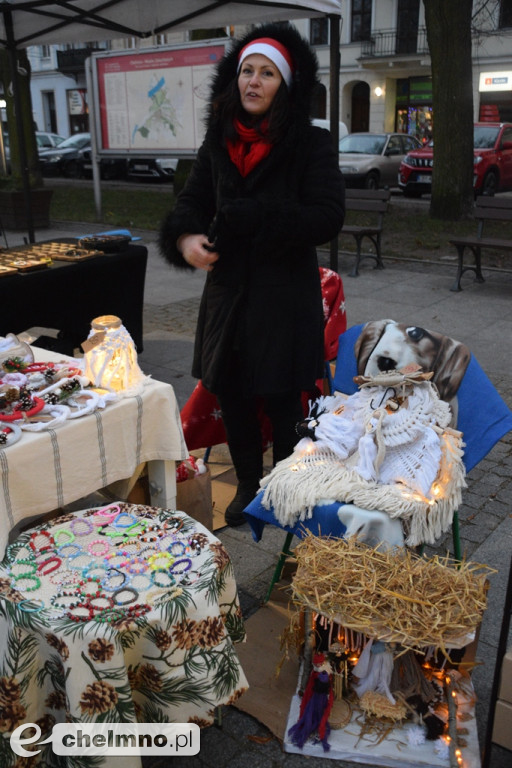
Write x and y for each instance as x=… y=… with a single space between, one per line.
x=374 y=669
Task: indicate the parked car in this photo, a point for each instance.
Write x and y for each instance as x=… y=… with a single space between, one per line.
x=342 y=128
x=44 y=140
x=372 y=160
x=162 y=168
x=72 y=158
x=492 y=149
x=47 y=140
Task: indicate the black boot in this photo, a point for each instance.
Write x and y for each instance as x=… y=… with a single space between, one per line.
x=248 y=464
x=234 y=514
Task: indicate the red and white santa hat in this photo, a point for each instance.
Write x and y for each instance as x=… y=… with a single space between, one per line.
x=273 y=50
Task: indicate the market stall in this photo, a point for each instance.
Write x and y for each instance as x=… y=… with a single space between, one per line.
x=68 y=449
x=62 y=285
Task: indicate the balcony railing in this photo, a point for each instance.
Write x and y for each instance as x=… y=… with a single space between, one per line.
x=72 y=62
x=388 y=42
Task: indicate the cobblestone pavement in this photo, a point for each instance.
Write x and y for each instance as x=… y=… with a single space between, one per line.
x=486 y=537
x=482 y=317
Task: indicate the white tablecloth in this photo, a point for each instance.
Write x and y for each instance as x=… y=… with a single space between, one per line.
x=46 y=470
x=173 y=660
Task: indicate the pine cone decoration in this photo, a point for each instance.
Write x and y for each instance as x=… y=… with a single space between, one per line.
x=149 y=677
x=100 y=649
x=56 y=700
x=59 y=645
x=163 y=640
x=10 y=691
x=97 y=698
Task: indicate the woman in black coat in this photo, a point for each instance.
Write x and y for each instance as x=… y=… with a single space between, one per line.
x=264 y=190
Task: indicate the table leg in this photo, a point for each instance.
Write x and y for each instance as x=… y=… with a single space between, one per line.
x=162 y=483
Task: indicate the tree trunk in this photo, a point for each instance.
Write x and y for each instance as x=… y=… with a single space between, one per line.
x=28 y=121
x=449 y=39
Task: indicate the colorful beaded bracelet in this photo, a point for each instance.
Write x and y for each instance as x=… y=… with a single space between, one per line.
x=50 y=543
x=113 y=573
x=94 y=543
x=162 y=578
x=106 y=514
x=120 y=591
x=31 y=606
x=82 y=587
x=63 y=532
x=137 y=578
x=44 y=570
x=136 y=565
x=188 y=565
x=160 y=561
x=62 y=550
x=23 y=561
x=29 y=577
x=116 y=522
x=110 y=615
x=78 y=522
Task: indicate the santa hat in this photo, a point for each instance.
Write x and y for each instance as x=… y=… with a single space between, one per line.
x=273 y=50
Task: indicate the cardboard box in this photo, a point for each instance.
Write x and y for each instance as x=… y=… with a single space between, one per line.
x=194 y=497
x=505 y=692
x=502 y=731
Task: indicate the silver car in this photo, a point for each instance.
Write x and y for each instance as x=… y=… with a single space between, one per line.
x=372 y=160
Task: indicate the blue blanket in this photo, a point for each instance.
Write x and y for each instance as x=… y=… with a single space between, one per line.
x=483 y=418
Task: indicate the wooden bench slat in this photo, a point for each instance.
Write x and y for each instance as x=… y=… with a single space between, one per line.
x=486 y=209
x=372 y=201
x=484 y=242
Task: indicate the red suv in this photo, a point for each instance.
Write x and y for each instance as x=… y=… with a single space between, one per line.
x=492 y=143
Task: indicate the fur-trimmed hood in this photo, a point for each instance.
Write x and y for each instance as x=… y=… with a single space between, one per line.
x=305 y=63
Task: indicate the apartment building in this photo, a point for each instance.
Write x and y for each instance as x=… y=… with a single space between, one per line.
x=385 y=68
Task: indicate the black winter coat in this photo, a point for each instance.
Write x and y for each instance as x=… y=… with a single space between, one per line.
x=263 y=296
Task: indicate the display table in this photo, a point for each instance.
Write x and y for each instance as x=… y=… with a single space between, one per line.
x=68 y=295
x=46 y=470
x=171 y=658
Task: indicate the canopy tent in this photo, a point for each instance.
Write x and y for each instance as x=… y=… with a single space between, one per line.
x=36 y=22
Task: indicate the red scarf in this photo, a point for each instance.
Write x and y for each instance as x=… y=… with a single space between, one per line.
x=249 y=148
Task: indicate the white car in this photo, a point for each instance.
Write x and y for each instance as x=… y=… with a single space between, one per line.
x=162 y=168
x=342 y=128
x=47 y=140
x=372 y=160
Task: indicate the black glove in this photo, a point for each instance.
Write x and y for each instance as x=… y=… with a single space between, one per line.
x=243 y=216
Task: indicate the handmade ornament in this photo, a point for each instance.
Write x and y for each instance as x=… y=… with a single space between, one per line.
x=315 y=706
x=387 y=447
x=111 y=357
x=374 y=669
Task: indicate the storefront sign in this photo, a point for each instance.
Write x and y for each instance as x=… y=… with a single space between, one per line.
x=77 y=101
x=495 y=81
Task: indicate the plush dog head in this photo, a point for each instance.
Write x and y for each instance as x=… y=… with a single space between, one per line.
x=384 y=345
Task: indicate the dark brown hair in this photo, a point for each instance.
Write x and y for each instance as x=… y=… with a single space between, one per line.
x=227 y=107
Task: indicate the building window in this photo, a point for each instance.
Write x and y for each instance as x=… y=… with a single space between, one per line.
x=208 y=34
x=506 y=13
x=361 y=20
x=319 y=31
x=45 y=52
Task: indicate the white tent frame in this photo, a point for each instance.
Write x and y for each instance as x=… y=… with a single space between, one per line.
x=34 y=22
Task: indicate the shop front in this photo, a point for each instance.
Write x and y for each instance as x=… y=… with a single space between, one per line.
x=414 y=107
x=495 y=91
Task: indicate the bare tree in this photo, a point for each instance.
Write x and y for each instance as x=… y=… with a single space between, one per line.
x=25 y=102
x=449 y=26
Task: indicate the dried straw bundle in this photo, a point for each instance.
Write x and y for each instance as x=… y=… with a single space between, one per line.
x=392 y=595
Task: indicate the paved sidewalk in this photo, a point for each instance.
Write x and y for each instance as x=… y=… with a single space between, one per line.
x=406 y=291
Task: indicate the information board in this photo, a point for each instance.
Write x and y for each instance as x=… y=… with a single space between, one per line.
x=153 y=101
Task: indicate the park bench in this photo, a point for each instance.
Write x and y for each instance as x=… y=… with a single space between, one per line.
x=487 y=208
x=373 y=202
